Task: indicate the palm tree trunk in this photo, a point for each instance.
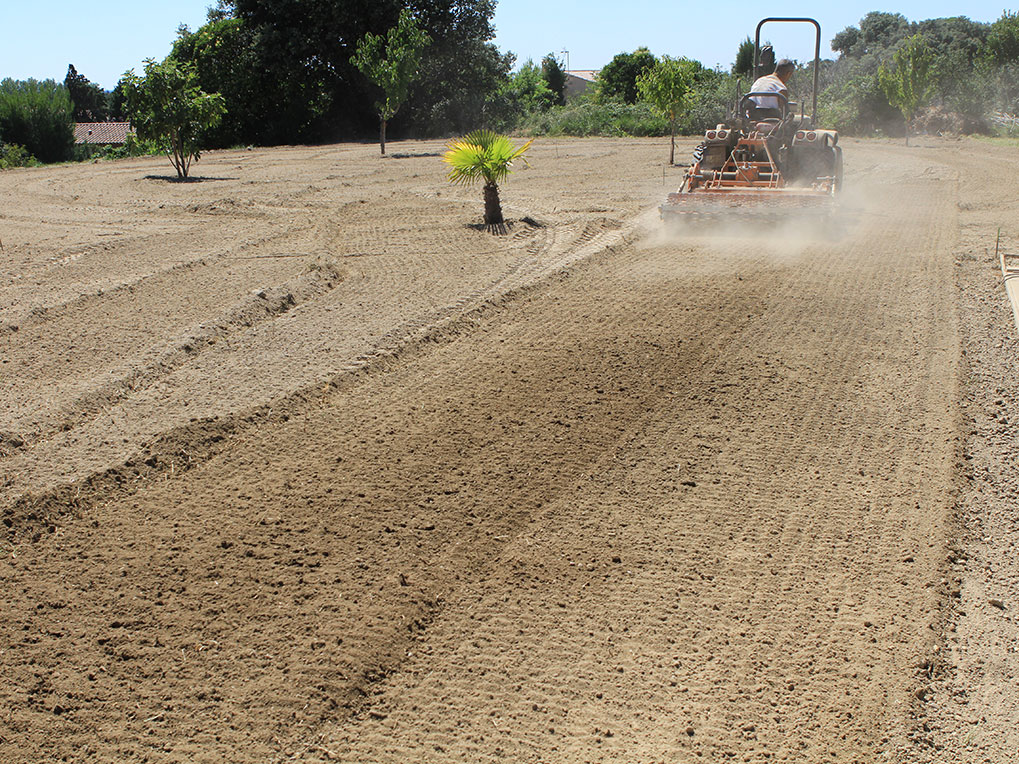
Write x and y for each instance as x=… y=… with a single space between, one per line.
x=493 y=208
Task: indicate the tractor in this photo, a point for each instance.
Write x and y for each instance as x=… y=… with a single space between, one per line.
x=762 y=164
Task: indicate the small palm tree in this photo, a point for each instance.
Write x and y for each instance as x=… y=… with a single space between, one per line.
x=484 y=155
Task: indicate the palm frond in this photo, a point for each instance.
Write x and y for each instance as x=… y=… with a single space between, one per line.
x=482 y=155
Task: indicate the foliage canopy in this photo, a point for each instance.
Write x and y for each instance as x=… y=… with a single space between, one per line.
x=392 y=63
x=167 y=106
x=668 y=88
x=618 y=78
x=37 y=116
x=88 y=98
x=909 y=81
x=555 y=78
x=301 y=75
x=744 y=64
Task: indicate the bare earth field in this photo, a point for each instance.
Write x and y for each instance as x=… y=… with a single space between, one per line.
x=299 y=464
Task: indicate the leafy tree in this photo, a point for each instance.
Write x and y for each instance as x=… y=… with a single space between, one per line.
x=618 y=78
x=878 y=33
x=488 y=156
x=529 y=90
x=456 y=95
x=744 y=64
x=37 y=116
x=965 y=83
x=909 y=82
x=668 y=87
x=555 y=78
x=956 y=38
x=116 y=103
x=168 y=107
x=392 y=64
x=224 y=55
x=1002 y=44
x=303 y=50
x=464 y=74
x=88 y=98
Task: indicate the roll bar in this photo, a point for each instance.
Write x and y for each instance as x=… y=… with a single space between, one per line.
x=817 y=50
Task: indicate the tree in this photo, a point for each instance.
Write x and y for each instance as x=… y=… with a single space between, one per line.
x=488 y=156
x=668 y=87
x=303 y=49
x=1002 y=45
x=528 y=90
x=618 y=78
x=168 y=107
x=392 y=64
x=1001 y=53
x=909 y=82
x=88 y=98
x=555 y=78
x=223 y=53
x=463 y=74
x=744 y=64
x=878 y=33
x=38 y=116
x=116 y=103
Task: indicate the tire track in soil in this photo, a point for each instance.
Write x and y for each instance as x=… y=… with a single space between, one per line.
x=112 y=402
x=603 y=515
x=352 y=517
x=149 y=367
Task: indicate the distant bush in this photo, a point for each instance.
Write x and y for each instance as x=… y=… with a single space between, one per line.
x=587 y=118
x=13 y=155
x=38 y=116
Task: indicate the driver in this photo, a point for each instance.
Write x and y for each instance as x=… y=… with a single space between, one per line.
x=771 y=106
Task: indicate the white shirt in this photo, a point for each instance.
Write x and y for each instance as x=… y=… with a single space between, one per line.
x=769 y=83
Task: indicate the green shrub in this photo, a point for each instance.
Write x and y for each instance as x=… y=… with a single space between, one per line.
x=38 y=116
x=587 y=118
x=13 y=155
x=135 y=147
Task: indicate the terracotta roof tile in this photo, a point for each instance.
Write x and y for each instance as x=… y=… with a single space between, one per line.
x=101 y=132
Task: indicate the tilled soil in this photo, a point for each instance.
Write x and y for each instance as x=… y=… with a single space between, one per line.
x=301 y=463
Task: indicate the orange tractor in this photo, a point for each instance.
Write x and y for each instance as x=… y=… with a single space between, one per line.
x=762 y=164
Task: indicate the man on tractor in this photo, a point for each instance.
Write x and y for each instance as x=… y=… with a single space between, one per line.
x=769 y=106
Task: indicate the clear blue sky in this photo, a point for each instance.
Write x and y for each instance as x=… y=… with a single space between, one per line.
x=104 y=39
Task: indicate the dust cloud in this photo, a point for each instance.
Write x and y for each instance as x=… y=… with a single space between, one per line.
x=780 y=235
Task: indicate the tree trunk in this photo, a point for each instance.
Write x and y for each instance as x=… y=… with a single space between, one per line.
x=382 y=136
x=672 y=145
x=493 y=208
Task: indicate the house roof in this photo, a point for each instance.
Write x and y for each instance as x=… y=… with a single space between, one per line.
x=101 y=132
x=584 y=74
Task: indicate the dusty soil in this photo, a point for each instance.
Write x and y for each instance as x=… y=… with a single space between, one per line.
x=299 y=463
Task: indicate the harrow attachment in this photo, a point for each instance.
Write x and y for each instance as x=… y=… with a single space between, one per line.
x=747 y=206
